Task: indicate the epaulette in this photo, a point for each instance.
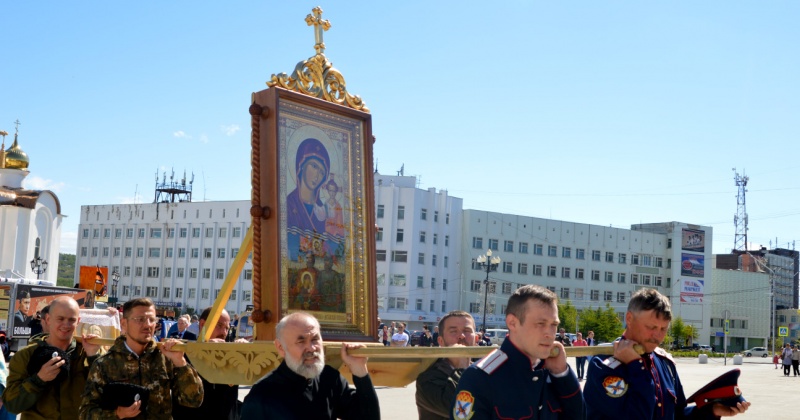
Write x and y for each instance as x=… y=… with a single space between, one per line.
x=493 y=361
x=663 y=353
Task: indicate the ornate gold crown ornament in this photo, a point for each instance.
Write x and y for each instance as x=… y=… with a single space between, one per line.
x=316 y=76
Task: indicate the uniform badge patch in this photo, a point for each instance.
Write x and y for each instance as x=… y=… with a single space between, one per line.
x=464 y=404
x=615 y=386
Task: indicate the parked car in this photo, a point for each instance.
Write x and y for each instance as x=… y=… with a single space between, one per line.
x=414 y=337
x=496 y=335
x=705 y=348
x=757 y=351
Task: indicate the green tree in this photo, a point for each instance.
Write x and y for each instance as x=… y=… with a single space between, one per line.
x=604 y=322
x=66 y=270
x=567 y=313
x=680 y=334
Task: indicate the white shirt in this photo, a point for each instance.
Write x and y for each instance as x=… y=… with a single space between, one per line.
x=402 y=337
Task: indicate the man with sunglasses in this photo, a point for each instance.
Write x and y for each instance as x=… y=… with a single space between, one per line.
x=134 y=359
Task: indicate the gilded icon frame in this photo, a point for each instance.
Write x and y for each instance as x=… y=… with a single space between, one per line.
x=317 y=247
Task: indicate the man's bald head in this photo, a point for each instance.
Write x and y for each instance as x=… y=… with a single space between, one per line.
x=295 y=318
x=64 y=301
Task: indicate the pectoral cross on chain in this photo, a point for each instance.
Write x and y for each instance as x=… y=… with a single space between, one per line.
x=319 y=27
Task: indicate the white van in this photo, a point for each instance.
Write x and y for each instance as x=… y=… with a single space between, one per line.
x=496 y=335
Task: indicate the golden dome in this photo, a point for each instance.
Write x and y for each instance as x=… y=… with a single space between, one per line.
x=15 y=157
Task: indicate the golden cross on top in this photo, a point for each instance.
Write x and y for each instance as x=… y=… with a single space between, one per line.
x=319 y=27
x=17 y=123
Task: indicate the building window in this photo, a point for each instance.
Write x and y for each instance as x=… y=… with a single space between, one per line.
x=565 y=293
x=95 y=233
x=421 y=258
x=183 y=232
x=117 y=233
x=169 y=252
x=179 y=272
x=126 y=271
x=246 y=295
x=422 y=237
x=537 y=270
x=399 y=236
x=508 y=246
x=622 y=259
x=551 y=271
x=620 y=277
x=578 y=294
x=86 y=233
x=522 y=268
x=210 y=232
x=233 y=294
x=433 y=260
x=154 y=252
x=634 y=279
x=181 y=252
x=379 y=235
x=658 y=281
x=435 y=239
x=552 y=251
x=595 y=255
x=444 y=284
x=659 y=261
x=141 y=232
x=128 y=252
x=646 y=279
x=419 y=305
x=620 y=297
x=204 y=294
x=129 y=233
x=380 y=254
x=506 y=288
x=166 y=293
x=447 y=222
x=445 y=261
x=196 y=232
x=565 y=272
x=537 y=249
x=107 y=233
x=596 y=275
x=192 y=273
x=84 y=251
x=475 y=286
x=433 y=283
x=446 y=240
x=607 y=295
x=94 y=251
x=380 y=211
x=220 y=274
x=635 y=259
x=566 y=252
x=116 y=251
x=139 y=252
x=152 y=291
x=155 y=233
x=477 y=242
x=423 y=214
x=436 y=216
x=171 y=232
x=523 y=247
x=507 y=266
x=594 y=295
x=126 y=290
x=206 y=273
x=397 y=280
x=609 y=277
x=400 y=256
x=609 y=257
x=192 y=293
x=223 y=232
x=647 y=260
x=474 y=307
x=579 y=273
x=206 y=252
x=401 y=212
x=220 y=252
x=493 y=244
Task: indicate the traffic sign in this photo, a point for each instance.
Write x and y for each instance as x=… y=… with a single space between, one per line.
x=727 y=322
x=783 y=331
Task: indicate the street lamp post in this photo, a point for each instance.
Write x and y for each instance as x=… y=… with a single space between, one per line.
x=39 y=266
x=489 y=263
x=115 y=280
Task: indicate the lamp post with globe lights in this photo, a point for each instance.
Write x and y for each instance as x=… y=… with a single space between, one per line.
x=489 y=263
x=39 y=266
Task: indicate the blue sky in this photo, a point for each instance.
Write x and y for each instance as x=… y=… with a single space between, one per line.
x=608 y=113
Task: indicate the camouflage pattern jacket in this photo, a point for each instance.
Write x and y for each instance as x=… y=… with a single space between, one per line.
x=151 y=370
x=36 y=399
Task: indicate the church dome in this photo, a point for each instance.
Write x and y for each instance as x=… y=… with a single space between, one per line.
x=15 y=157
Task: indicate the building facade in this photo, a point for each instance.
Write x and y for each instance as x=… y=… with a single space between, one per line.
x=176 y=253
x=417 y=249
x=743 y=298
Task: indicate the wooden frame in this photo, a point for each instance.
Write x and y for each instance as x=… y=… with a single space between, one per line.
x=317 y=246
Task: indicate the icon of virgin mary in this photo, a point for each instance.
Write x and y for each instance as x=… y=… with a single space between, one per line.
x=305 y=209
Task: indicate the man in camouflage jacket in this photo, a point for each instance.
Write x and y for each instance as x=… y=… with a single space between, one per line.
x=135 y=359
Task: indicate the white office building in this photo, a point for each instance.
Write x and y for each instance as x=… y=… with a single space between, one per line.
x=743 y=299
x=418 y=249
x=176 y=253
x=589 y=265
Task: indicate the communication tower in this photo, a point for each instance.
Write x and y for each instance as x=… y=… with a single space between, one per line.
x=740 y=218
x=174 y=191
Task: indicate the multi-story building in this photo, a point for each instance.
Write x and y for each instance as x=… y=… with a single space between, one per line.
x=591 y=266
x=743 y=298
x=418 y=249
x=176 y=253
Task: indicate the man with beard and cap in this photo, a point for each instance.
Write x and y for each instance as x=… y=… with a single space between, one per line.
x=135 y=359
x=220 y=401
x=303 y=387
x=644 y=386
x=436 y=386
x=46 y=394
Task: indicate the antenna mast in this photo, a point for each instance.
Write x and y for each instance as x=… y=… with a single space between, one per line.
x=740 y=218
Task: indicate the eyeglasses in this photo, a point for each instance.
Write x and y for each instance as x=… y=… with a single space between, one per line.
x=144 y=319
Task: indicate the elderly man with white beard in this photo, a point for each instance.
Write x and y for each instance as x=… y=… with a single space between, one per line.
x=303 y=387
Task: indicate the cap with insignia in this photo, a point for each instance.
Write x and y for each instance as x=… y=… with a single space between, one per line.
x=724 y=390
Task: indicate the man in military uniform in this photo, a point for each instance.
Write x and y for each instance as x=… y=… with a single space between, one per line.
x=520 y=379
x=135 y=359
x=436 y=386
x=646 y=386
x=45 y=395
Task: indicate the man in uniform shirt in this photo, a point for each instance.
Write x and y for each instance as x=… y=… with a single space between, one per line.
x=643 y=386
x=436 y=386
x=520 y=379
x=303 y=387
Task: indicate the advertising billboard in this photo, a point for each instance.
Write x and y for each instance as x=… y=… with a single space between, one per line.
x=693 y=240
x=94 y=278
x=692 y=290
x=692 y=265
